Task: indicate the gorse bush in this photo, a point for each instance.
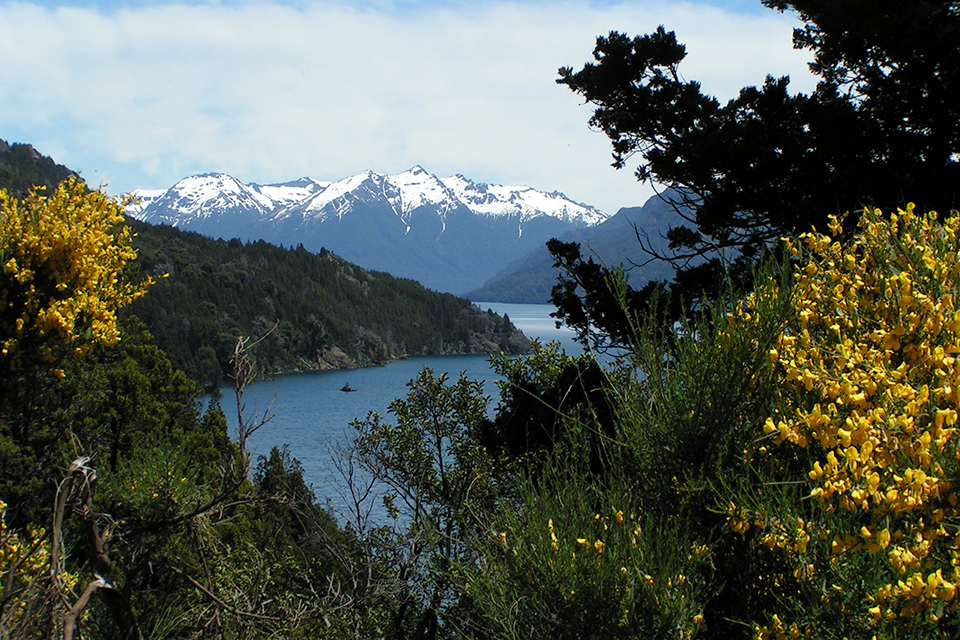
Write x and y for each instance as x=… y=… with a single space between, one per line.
x=62 y=256
x=124 y=512
x=577 y=560
x=782 y=465
x=870 y=391
x=642 y=547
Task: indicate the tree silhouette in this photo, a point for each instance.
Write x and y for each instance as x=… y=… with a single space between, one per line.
x=882 y=128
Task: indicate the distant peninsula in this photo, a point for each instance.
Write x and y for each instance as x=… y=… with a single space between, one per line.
x=329 y=313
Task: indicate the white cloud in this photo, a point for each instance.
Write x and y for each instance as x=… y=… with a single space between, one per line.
x=140 y=97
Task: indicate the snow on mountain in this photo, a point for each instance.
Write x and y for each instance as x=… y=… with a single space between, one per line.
x=199 y=197
x=334 y=199
x=526 y=202
x=217 y=191
x=418 y=188
x=142 y=199
x=287 y=193
x=204 y=197
x=404 y=192
x=451 y=234
x=213 y=194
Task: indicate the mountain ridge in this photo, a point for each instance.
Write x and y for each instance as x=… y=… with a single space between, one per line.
x=530 y=278
x=451 y=234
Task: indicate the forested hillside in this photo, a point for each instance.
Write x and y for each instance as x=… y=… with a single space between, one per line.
x=23 y=167
x=329 y=313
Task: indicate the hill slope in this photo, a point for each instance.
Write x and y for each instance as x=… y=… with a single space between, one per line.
x=530 y=279
x=22 y=167
x=329 y=312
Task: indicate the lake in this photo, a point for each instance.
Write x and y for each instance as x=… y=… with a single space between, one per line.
x=311 y=413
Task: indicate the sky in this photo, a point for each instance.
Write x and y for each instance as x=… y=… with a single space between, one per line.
x=137 y=94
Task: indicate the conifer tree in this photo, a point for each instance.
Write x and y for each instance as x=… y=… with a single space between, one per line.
x=882 y=128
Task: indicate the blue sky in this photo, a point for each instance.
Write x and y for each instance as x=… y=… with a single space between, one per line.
x=140 y=94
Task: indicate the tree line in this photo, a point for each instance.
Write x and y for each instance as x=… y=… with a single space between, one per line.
x=328 y=313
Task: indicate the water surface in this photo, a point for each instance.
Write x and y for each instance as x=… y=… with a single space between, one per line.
x=312 y=415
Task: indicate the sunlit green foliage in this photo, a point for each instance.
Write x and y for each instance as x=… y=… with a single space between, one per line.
x=646 y=533
x=790 y=453
x=440 y=487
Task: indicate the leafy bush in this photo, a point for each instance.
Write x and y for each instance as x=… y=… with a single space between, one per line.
x=156 y=530
x=641 y=545
x=792 y=453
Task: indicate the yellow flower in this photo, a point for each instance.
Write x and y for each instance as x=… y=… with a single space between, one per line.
x=67 y=256
x=870 y=367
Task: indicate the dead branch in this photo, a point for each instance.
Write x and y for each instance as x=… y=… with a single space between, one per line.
x=230 y=608
x=116 y=603
x=70 y=621
x=243 y=376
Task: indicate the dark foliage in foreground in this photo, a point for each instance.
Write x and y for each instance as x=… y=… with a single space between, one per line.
x=882 y=128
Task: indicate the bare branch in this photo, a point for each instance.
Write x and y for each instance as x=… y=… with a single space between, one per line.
x=244 y=376
x=230 y=608
x=70 y=621
x=102 y=568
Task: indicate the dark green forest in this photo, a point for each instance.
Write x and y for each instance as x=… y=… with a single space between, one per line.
x=328 y=313
x=22 y=167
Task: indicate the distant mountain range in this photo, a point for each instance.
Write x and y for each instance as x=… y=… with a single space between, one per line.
x=451 y=234
x=614 y=241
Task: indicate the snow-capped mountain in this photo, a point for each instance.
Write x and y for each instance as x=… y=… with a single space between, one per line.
x=450 y=233
x=205 y=202
x=528 y=203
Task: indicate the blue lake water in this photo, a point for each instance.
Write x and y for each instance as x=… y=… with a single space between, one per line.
x=311 y=414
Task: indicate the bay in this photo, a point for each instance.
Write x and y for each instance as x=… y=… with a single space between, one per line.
x=311 y=415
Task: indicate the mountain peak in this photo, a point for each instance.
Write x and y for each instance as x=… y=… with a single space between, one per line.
x=446 y=232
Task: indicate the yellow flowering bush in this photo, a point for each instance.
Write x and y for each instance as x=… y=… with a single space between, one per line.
x=557 y=568
x=24 y=568
x=660 y=560
x=794 y=454
x=871 y=389
x=61 y=271
x=156 y=484
x=18 y=555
